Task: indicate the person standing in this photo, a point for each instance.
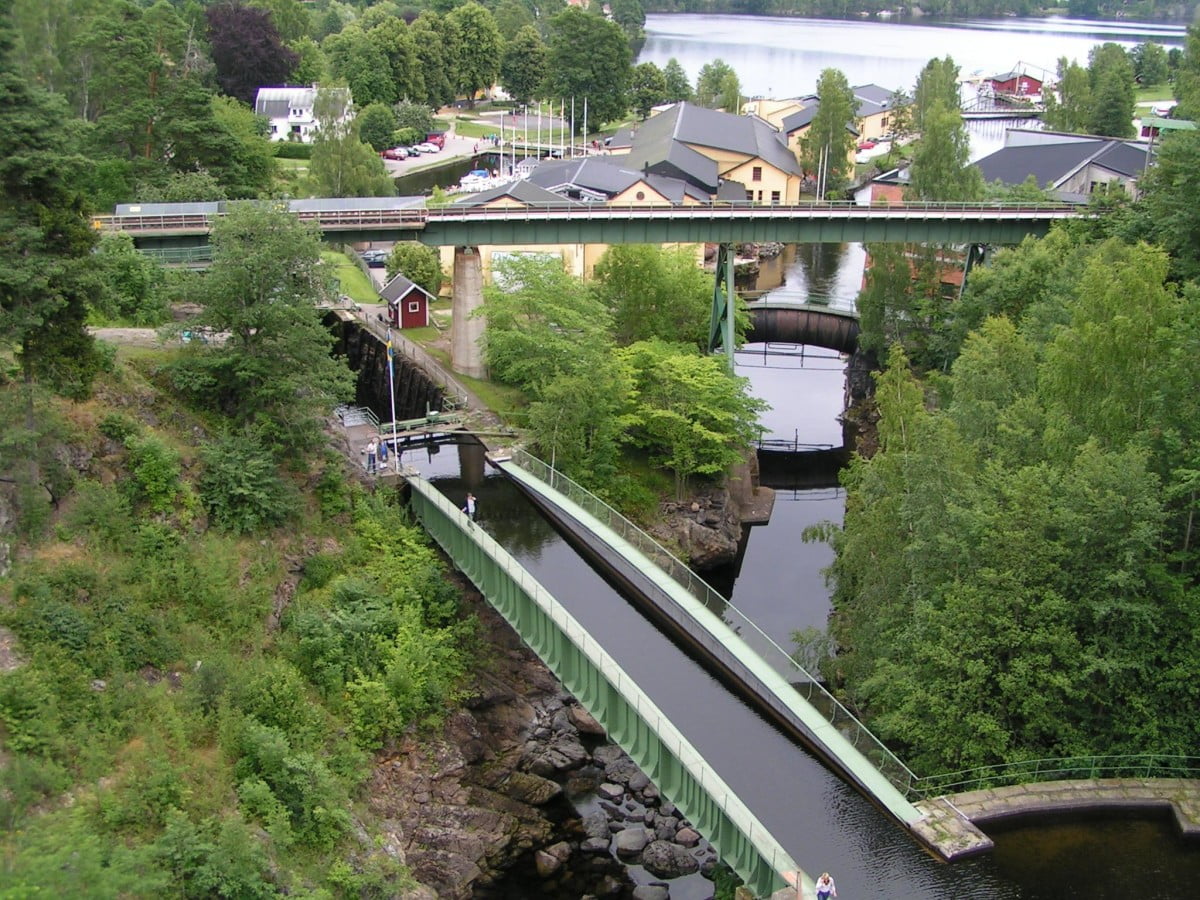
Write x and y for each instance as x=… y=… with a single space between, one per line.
x=469 y=507
x=383 y=455
x=372 y=448
x=825 y=887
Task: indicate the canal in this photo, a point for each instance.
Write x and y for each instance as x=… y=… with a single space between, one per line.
x=820 y=819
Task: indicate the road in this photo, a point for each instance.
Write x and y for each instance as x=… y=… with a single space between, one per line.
x=456 y=148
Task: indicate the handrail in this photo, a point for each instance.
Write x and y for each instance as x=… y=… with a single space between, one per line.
x=419 y=217
x=1133 y=765
x=771 y=653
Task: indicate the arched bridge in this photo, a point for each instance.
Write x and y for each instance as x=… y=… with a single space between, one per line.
x=774 y=321
x=384 y=219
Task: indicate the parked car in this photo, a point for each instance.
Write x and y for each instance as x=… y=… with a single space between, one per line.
x=437 y=138
x=427 y=148
x=375 y=258
x=395 y=153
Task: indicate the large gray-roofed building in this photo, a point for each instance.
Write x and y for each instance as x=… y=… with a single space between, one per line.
x=522 y=191
x=689 y=124
x=601 y=178
x=1073 y=166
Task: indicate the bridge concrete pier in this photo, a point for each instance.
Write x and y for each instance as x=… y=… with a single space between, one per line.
x=466 y=330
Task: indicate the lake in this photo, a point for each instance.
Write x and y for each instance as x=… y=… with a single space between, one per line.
x=783 y=57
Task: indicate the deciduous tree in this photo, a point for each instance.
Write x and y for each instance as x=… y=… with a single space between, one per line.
x=418 y=263
x=589 y=58
x=274 y=373
x=1111 y=75
x=376 y=125
x=649 y=88
x=523 y=70
x=1069 y=104
x=247 y=50
x=655 y=293
x=477 y=62
x=941 y=169
x=678 y=87
x=342 y=165
x=828 y=143
x=710 y=83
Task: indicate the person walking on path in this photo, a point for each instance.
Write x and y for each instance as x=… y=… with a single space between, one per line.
x=372 y=447
x=469 y=507
x=383 y=455
x=825 y=887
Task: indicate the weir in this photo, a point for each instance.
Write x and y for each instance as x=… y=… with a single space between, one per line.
x=604 y=689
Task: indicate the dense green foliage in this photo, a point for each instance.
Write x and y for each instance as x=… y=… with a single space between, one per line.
x=617 y=363
x=202 y=759
x=1015 y=577
x=828 y=143
x=268 y=366
x=418 y=263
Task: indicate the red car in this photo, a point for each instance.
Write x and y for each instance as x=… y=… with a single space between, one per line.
x=866 y=145
x=395 y=153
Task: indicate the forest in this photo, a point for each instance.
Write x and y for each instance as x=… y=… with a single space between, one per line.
x=1016 y=575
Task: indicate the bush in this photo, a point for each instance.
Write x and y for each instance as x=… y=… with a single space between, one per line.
x=102 y=513
x=241 y=488
x=292 y=150
x=155 y=468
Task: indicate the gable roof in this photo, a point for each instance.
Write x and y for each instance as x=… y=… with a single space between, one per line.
x=278 y=102
x=603 y=177
x=521 y=191
x=1052 y=164
x=874 y=93
x=664 y=138
x=400 y=287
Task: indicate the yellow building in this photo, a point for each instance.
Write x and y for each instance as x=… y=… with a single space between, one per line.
x=716 y=151
x=579 y=182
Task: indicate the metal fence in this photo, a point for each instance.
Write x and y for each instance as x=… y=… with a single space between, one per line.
x=857 y=734
x=1066 y=768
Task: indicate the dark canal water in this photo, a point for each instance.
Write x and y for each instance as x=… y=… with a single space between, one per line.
x=822 y=821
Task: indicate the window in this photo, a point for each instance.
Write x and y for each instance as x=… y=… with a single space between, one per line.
x=759 y=198
x=756 y=174
x=774 y=198
x=883 y=122
x=414 y=306
x=641 y=195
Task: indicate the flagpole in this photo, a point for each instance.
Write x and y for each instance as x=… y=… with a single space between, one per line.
x=392 y=395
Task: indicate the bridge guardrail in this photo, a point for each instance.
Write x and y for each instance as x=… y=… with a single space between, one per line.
x=901 y=777
x=450 y=527
x=1137 y=765
x=417 y=217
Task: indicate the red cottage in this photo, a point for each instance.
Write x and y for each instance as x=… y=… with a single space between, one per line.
x=408 y=303
x=1017 y=84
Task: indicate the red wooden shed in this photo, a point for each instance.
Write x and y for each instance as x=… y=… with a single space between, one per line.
x=1018 y=84
x=408 y=303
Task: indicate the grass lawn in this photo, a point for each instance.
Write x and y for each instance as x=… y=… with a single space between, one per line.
x=353 y=283
x=475 y=128
x=1153 y=92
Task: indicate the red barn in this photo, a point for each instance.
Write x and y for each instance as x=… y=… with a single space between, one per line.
x=408 y=303
x=1017 y=84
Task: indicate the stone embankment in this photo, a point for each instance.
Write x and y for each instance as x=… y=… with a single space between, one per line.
x=520 y=788
x=951 y=824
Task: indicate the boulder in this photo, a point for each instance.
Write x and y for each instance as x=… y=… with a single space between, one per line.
x=546 y=863
x=606 y=754
x=562 y=753
x=651 y=892
x=638 y=781
x=532 y=789
x=621 y=770
x=584 y=721
x=609 y=791
x=595 y=825
x=595 y=845
x=666 y=860
x=687 y=837
x=631 y=840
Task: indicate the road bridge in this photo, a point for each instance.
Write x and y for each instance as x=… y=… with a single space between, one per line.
x=557 y=224
x=573 y=223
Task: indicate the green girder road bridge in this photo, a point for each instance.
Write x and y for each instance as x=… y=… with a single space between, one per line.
x=573 y=223
x=556 y=224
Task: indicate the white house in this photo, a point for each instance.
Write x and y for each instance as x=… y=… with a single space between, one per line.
x=289 y=110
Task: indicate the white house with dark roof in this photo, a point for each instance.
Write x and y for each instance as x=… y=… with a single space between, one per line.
x=289 y=111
